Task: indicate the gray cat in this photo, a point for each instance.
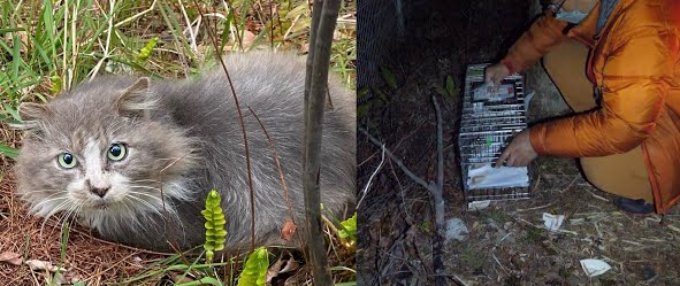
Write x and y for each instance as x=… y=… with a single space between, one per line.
x=134 y=159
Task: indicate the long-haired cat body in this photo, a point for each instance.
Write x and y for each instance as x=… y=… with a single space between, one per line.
x=134 y=158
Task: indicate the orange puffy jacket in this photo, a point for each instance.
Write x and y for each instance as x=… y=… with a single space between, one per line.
x=635 y=61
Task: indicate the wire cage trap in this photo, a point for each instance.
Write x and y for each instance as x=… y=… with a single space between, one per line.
x=489 y=119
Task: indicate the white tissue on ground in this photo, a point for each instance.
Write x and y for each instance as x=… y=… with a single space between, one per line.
x=478 y=205
x=486 y=176
x=456 y=229
x=594 y=267
x=552 y=222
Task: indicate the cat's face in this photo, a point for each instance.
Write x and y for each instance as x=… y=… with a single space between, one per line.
x=98 y=151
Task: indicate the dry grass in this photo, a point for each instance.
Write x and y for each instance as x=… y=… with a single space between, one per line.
x=87 y=258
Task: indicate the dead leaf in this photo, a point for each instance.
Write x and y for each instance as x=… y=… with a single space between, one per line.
x=248 y=39
x=273 y=270
x=288 y=230
x=39 y=265
x=137 y=262
x=285 y=264
x=11 y=258
x=292 y=265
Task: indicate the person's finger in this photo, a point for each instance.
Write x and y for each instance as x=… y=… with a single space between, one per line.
x=513 y=160
x=503 y=158
x=490 y=74
x=521 y=162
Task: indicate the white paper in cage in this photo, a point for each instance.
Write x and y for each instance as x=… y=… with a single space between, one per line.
x=483 y=176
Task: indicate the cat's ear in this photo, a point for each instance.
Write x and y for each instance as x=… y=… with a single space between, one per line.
x=31 y=114
x=31 y=111
x=137 y=100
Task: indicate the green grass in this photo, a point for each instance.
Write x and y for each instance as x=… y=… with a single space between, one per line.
x=50 y=46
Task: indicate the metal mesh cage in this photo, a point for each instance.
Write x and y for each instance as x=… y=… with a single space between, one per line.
x=488 y=122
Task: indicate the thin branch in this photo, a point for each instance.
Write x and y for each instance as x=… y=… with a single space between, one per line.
x=440 y=153
x=140 y=14
x=370 y=180
x=218 y=54
x=316 y=83
x=192 y=34
x=394 y=158
x=98 y=66
x=438 y=198
x=272 y=145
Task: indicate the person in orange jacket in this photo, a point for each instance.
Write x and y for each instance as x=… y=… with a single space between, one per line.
x=618 y=68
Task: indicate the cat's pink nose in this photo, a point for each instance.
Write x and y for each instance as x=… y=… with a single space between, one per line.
x=101 y=192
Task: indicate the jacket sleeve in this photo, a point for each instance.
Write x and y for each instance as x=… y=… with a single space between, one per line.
x=636 y=78
x=543 y=34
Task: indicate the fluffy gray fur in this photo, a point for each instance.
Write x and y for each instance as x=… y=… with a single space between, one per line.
x=184 y=139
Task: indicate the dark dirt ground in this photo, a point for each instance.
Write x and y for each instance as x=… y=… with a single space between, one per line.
x=507 y=244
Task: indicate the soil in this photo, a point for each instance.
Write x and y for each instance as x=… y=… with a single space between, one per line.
x=506 y=244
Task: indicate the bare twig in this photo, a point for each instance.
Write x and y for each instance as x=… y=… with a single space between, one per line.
x=272 y=145
x=395 y=147
x=597 y=196
x=140 y=14
x=218 y=54
x=106 y=55
x=316 y=83
x=435 y=189
x=534 y=208
x=458 y=280
x=402 y=190
x=438 y=197
x=370 y=180
x=192 y=33
x=395 y=159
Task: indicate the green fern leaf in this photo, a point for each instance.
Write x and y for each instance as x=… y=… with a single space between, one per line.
x=215 y=232
x=145 y=52
x=389 y=77
x=348 y=229
x=450 y=86
x=255 y=270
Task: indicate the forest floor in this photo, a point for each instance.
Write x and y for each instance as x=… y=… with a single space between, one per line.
x=507 y=243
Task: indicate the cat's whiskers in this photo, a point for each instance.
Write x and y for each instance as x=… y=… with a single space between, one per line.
x=52 y=195
x=144 y=187
x=156 y=197
x=152 y=207
x=54 y=211
x=145 y=180
x=163 y=212
x=69 y=215
x=37 y=208
x=32 y=192
x=128 y=204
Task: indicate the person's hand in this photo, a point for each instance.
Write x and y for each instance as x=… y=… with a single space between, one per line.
x=519 y=152
x=495 y=73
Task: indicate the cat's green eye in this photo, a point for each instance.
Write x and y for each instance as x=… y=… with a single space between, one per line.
x=117 y=152
x=67 y=160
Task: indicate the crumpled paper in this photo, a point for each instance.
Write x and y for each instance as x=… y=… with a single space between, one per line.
x=552 y=222
x=486 y=176
x=456 y=229
x=594 y=267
